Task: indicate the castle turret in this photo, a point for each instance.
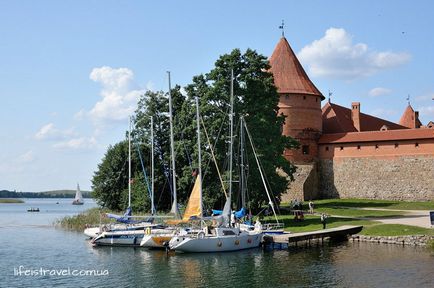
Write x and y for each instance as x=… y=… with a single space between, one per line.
x=300 y=102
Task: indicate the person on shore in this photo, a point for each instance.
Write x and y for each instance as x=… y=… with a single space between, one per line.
x=310 y=207
x=323 y=220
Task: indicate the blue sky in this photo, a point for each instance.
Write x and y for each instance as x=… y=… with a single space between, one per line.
x=71 y=71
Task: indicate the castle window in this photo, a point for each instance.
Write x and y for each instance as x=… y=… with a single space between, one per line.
x=376 y=146
x=396 y=145
x=416 y=145
x=342 y=148
x=304 y=97
x=327 y=148
x=358 y=147
x=286 y=96
x=316 y=99
x=305 y=149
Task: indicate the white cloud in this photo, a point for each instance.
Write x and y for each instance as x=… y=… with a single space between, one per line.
x=77 y=143
x=425 y=97
x=50 y=132
x=379 y=91
x=336 y=56
x=426 y=111
x=26 y=157
x=119 y=96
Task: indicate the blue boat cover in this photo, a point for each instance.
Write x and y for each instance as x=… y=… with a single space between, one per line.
x=238 y=214
x=124 y=218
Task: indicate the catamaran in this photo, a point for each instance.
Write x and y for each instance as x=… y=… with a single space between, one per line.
x=78 y=200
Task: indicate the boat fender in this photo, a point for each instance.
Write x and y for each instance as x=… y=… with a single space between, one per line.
x=237 y=242
x=219 y=244
x=201 y=235
x=148 y=231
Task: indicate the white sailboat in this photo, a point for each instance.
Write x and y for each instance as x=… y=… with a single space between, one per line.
x=78 y=200
x=225 y=237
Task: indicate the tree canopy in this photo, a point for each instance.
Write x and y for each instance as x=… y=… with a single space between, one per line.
x=255 y=98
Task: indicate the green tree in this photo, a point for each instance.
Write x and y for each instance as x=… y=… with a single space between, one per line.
x=256 y=99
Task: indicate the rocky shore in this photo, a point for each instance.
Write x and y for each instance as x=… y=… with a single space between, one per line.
x=415 y=240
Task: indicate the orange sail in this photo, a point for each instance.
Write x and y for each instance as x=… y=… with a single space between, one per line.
x=193 y=208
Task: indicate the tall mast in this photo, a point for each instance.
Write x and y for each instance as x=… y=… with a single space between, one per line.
x=199 y=156
x=242 y=178
x=129 y=163
x=231 y=119
x=152 y=166
x=172 y=152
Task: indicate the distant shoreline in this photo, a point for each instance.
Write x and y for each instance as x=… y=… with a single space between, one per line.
x=47 y=194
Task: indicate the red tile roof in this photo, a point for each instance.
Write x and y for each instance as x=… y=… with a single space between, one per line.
x=376 y=136
x=289 y=75
x=337 y=119
x=407 y=119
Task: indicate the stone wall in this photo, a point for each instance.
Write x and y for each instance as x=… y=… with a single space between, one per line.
x=417 y=240
x=397 y=178
x=305 y=184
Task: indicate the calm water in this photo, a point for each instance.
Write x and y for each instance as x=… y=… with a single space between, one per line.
x=29 y=240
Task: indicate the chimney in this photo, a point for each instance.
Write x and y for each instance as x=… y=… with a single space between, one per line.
x=355 y=115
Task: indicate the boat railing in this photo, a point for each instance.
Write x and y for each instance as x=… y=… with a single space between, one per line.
x=272 y=226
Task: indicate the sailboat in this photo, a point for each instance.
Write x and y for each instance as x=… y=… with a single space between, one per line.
x=226 y=237
x=130 y=232
x=78 y=200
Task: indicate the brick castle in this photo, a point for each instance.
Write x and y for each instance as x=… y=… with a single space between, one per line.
x=345 y=153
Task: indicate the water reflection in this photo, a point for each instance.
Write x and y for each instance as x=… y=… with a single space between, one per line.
x=33 y=243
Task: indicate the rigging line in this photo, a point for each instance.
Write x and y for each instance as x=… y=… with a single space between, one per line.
x=213 y=157
x=215 y=144
x=260 y=171
x=144 y=170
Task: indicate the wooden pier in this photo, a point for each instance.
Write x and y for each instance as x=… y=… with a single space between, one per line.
x=333 y=233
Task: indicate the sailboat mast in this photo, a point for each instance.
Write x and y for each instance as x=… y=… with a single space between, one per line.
x=231 y=119
x=242 y=178
x=172 y=152
x=129 y=163
x=199 y=156
x=152 y=166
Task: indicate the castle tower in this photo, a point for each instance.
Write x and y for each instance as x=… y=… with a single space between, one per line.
x=300 y=101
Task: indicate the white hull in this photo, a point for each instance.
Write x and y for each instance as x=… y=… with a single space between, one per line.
x=119 y=238
x=221 y=243
x=92 y=232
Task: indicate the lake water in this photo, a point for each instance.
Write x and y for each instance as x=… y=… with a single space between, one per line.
x=28 y=241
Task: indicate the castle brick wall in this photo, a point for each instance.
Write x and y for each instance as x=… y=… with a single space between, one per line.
x=385 y=171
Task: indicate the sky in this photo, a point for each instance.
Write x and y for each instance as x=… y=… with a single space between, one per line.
x=71 y=71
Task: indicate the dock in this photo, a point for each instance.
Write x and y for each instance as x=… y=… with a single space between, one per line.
x=333 y=233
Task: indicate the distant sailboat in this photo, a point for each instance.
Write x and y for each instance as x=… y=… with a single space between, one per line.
x=78 y=200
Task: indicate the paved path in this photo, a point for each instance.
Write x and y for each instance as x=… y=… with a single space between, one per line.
x=418 y=218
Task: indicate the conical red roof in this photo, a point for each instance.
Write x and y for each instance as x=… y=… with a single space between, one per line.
x=407 y=119
x=289 y=75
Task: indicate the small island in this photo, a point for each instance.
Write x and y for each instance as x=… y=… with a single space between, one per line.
x=9 y=200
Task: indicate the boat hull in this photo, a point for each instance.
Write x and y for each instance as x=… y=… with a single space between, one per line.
x=215 y=244
x=119 y=238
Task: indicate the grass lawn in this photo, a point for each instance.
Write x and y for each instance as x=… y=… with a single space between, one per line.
x=395 y=230
x=366 y=203
x=312 y=222
x=357 y=213
x=10 y=200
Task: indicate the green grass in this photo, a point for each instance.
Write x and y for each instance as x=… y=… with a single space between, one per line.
x=395 y=230
x=312 y=222
x=357 y=213
x=10 y=200
x=79 y=222
x=366 y=203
